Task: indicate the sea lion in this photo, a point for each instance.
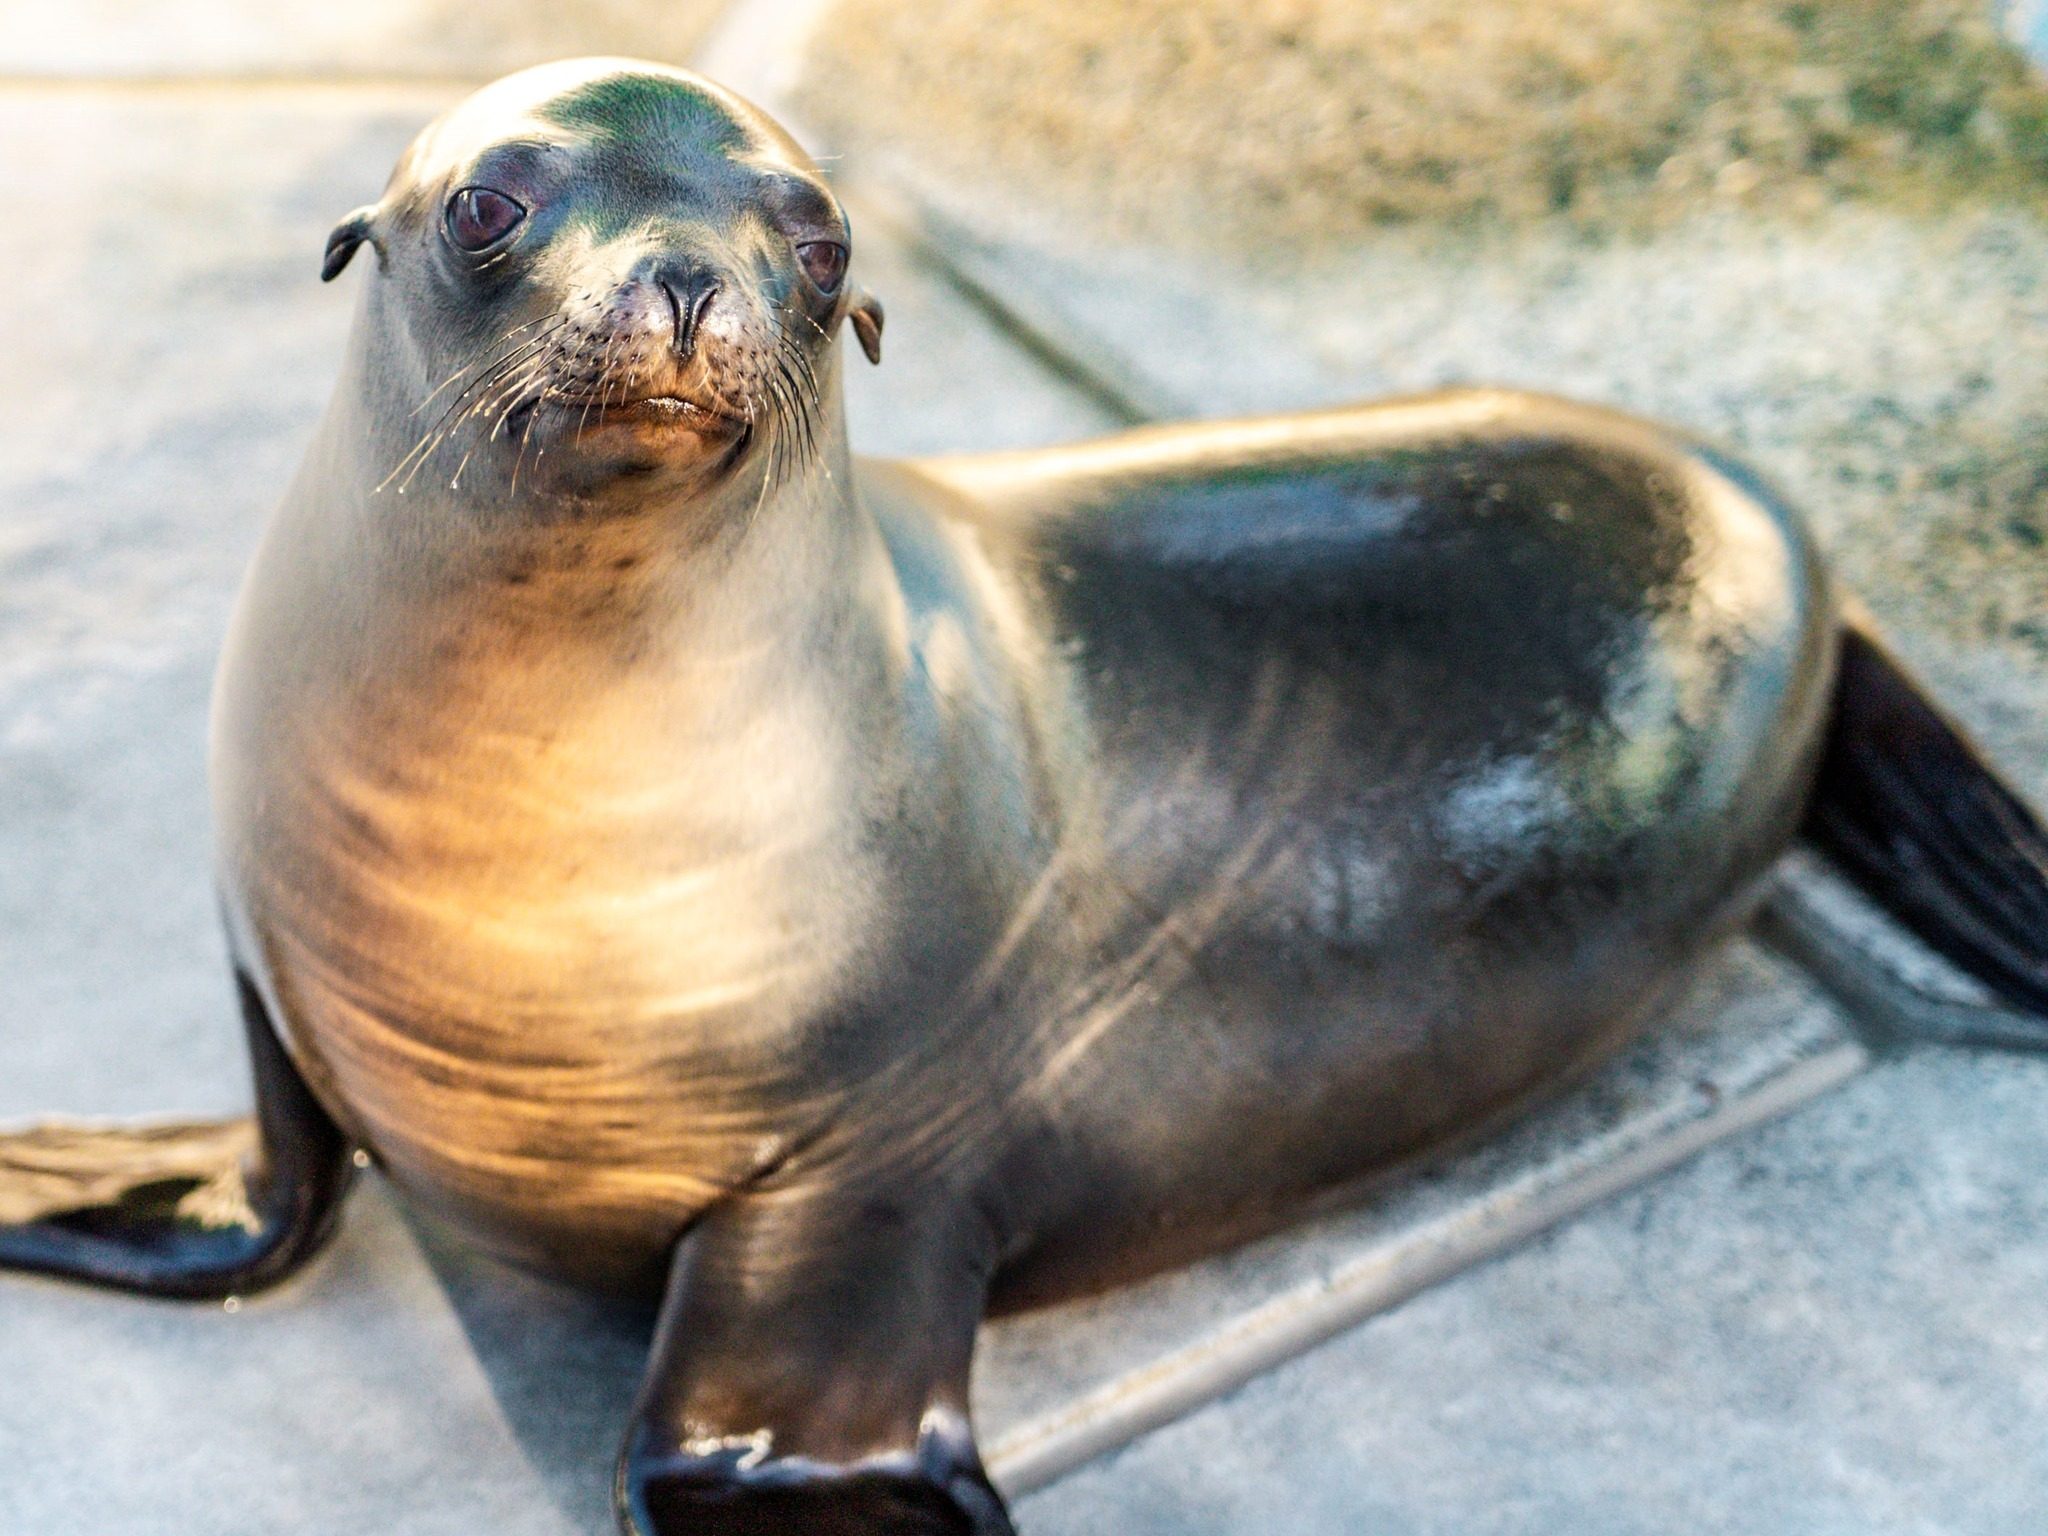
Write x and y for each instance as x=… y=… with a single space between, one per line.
x=842 y=897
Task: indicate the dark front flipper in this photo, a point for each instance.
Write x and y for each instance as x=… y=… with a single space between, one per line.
x=810 y=1376
x=195 y=1211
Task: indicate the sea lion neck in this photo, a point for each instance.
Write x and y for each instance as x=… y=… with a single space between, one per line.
x=755 y=572
x=737 y=585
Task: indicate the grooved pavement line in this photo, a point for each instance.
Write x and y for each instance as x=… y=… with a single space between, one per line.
x=1041 y=1452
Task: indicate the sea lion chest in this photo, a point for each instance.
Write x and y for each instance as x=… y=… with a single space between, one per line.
x=546 y=929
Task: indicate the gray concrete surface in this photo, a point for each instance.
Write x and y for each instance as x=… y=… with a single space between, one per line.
x=1834 y=1326
x=255 y=40
x=1831 y=1328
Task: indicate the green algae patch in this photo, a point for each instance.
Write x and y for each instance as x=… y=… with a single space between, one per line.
x=636 y=107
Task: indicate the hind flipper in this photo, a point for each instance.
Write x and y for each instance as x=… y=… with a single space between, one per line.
x=194 y=1211
x=809 y=1376
x=1804 y=920
x=1906 y=806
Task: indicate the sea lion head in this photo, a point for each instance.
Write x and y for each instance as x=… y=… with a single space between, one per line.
x=596 y=273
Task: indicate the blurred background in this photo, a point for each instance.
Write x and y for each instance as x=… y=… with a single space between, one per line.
x=1815 y=231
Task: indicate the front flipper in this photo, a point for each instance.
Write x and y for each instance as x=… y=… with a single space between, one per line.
x=809 y=1375
x=195 y=1211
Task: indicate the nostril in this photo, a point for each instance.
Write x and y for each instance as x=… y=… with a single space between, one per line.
x=688 y=302
x=702 y=304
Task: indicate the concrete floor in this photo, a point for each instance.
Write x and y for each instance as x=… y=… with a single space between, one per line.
x=1835 y=1324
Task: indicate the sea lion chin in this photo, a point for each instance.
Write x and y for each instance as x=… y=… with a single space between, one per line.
x=842 y=897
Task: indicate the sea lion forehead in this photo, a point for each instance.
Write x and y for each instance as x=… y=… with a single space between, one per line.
x=641 y=107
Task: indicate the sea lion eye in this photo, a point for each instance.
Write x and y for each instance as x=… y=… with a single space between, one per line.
x=824 y=263
x=479 y=218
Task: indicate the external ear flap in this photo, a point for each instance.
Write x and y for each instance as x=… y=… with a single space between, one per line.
x=341 y=245
x=865 y=311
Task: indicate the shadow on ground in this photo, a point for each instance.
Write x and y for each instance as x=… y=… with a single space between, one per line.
x=563 y=1366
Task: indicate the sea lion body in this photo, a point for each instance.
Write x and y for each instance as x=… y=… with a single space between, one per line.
x=846 y=896
x=1136 y=794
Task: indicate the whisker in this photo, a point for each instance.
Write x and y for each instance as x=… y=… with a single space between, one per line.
x=792 y=419
x=453 y=422
x=604 y=372
x=458 y=373
x=799 y=411
x=525 y=435
x=510 y=394
x=486 y=378
x=483 y=407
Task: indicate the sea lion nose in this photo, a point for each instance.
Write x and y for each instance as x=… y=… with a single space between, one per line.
x=690 y=290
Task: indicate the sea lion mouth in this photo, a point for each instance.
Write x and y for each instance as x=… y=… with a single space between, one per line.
x=656 y=410
x=605 y=387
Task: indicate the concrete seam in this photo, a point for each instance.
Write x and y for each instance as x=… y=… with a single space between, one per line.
x=1044 y=1450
